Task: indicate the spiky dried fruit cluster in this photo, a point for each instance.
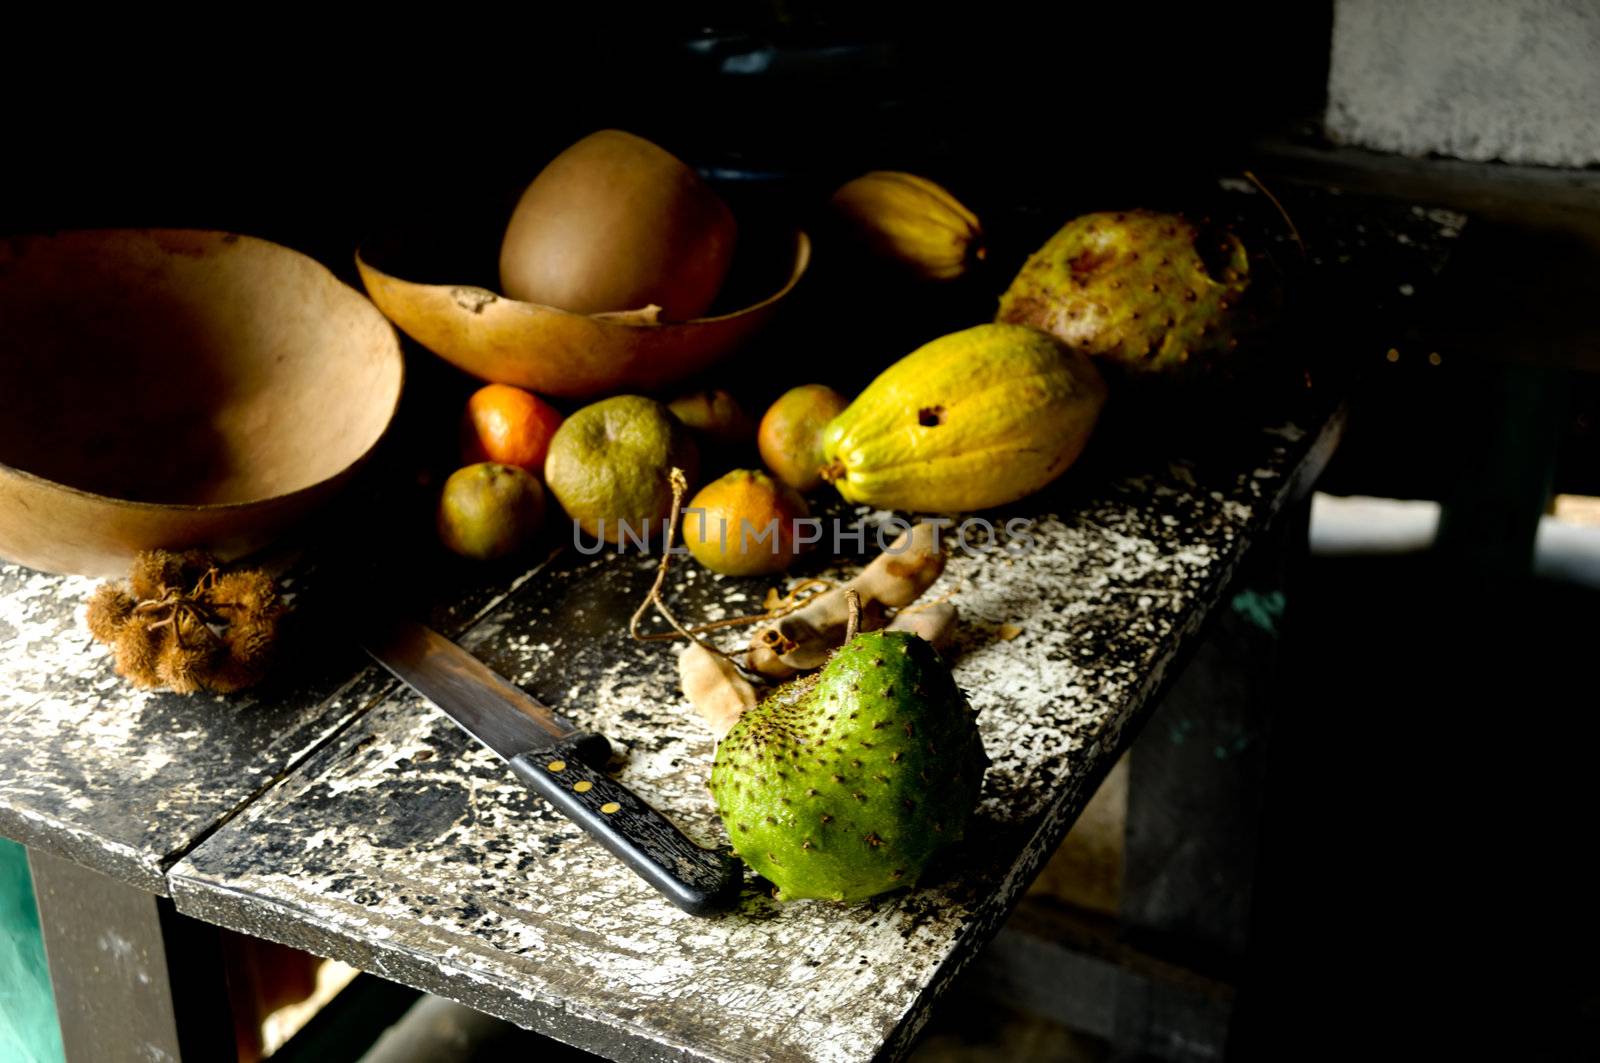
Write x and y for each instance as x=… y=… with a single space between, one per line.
x=845 y=783
x=184 y=624
x=1151 y=292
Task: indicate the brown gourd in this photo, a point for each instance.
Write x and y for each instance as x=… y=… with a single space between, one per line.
x=615 y=223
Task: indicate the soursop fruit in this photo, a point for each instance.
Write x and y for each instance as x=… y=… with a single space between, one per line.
x=845 y=783
x=1152 y=293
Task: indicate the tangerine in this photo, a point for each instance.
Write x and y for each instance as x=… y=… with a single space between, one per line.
x=746 y=524
x=508 y=426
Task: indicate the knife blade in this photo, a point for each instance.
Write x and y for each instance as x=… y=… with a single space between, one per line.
x=558 y=761
x=503 y=717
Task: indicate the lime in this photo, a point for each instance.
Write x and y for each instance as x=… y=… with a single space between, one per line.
x=490 y=510
x=610 y=464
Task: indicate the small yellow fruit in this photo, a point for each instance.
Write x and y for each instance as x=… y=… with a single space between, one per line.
x=490 y=510
x=912 y=221
x=790 y=438
x=745 y=524
x=715 y=416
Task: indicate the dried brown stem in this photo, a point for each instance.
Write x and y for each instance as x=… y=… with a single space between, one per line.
x=790 y=602
x=1294 y=232
x=680 y=487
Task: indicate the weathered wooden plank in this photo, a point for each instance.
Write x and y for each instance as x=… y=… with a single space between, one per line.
x=124 y=781
x=406 y=850
x=1075 y=970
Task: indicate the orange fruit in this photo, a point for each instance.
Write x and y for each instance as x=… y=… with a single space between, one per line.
x=507 y=425
x=490 y=510
x=745 y=524
x=790 y=437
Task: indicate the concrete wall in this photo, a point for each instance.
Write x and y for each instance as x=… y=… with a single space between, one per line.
x=1515 y=80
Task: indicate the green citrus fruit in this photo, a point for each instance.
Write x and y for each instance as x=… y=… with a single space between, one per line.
x=490 y=510
x=715 y=416
x=609 y=466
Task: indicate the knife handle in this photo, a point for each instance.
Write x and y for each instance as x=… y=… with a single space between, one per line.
x=592 y=747
x=697 y=880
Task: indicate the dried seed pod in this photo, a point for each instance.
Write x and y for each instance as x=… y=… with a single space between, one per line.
x=250 y=590
x=192 y=630
x=184 y=668
x=155 y=572
x=250 y=638
x=935 y=623
x=187 y=627
x=231 y=674
x=188 y=654
x=196 y=570
x=109 y=609
x=136 y=649
x=714 y=687
x=804 y=639
x=152 y=571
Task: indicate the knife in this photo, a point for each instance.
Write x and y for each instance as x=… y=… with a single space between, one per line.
x=559 y=762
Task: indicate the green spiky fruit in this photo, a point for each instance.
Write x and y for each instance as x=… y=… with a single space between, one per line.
x=1150 y=292
x=843 y=784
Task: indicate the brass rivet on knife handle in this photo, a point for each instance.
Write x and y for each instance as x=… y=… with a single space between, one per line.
x=696 y=879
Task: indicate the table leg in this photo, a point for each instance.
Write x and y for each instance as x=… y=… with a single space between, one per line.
x=1490 y=517
x=1159 y=981
x=1196 y=788
x=133 y=979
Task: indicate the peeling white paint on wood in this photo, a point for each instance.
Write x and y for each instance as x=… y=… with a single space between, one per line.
x=125 y=780
x=404 y=844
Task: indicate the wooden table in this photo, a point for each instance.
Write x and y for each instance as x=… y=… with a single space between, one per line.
x=338 y=813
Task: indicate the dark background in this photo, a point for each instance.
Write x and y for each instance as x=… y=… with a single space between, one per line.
x=310 y=135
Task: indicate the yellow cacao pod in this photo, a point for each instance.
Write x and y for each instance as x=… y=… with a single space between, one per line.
x=911 y=221
x=975 y=419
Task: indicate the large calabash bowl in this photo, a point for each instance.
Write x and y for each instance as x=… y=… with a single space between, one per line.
x=417 y=276
x=176 y=389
